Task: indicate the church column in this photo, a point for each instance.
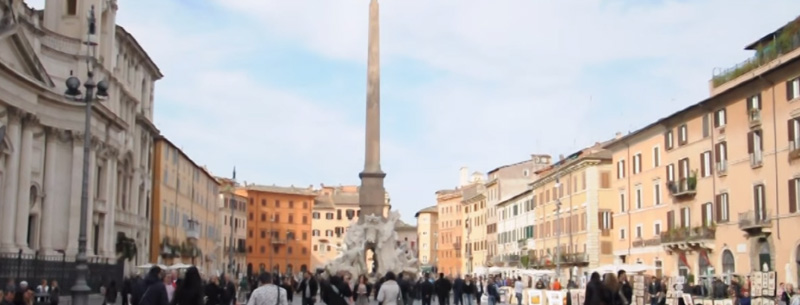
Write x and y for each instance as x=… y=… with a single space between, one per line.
x=50 y=182
x=24 y=187
x=11 y=181
x=108 y=227
x=75 y=193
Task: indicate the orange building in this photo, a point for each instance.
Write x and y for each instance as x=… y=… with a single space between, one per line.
x=712 y=190
x=279 y=228
x=451 y=228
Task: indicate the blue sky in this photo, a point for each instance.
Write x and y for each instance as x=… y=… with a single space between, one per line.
x=277 y=87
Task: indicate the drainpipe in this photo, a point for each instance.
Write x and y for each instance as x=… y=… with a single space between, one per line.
x=628 y=199
x=775 y=154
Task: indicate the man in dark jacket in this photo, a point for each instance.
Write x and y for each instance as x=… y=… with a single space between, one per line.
x=442 y=286
x=151 y=289
x=426 y=290
x=458 y=290
x=308 y=289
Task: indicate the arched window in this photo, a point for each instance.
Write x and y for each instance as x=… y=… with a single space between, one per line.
x=728 y=263
x=303 y=268
x=703 y=264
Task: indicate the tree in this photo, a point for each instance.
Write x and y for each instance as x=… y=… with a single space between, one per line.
x=126 y=247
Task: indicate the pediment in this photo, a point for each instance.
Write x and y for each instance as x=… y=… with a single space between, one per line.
x=17 y=54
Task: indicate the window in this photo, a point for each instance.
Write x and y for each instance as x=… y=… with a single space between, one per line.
x=277 y=203
x=657 y=229
x=606 y=221
x=263 y=202
x=669 y=140
x=622 y=207
x=755 y=147
x=686 y=217
x=637 y=163
x=793 y=89
x=794 y=134
x=605 y=180
x=72 y=7
x=622 y=233
x=683 y=134
x=708 y=214
x=754 y=103
x=657 y=192
x=794 y=189
x=721 y=155
x=620 y=169
x=683 y=169
x=315 y=215
x=722 y=212
x=759 y=203
x=705 y=164
x=720 y=118
x=291 y=204
x=670 y=220
x=706 y=126
x=671 y=173
x=639 y=197
x=639 y=231
x=656 y=156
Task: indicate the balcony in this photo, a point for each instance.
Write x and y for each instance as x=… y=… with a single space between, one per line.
x=685 y=188
x=755 y=118
x=193 y=231
x=277 y=241
x=639 y=243
x=753 y=223
x=783 y=43
x=126 y=218
x=756 y=159
x=576 y=258
x=722 y=168
x=794 y=149
x=511 y=258
x=689 y=238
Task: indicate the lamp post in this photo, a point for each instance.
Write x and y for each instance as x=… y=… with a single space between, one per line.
x=80 y=290
x=231 y=202
x=558 y=230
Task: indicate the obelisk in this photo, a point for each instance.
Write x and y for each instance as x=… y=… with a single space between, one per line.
x=371 y=194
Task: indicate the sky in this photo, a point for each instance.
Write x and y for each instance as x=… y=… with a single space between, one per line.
x=277 y=88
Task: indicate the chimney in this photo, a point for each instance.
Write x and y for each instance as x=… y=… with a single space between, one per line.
x=463 y=176
x=561 y=157
x=618 y=136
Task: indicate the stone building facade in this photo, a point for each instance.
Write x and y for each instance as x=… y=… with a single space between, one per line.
x=42 y=144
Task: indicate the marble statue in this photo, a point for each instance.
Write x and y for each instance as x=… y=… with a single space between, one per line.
x=378 y=235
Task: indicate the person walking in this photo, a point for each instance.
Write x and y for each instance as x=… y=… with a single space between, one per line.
x=308 y=289
x=390 y=293
x=151 y=290
x=361 y=291
x=442 y=286
x=268 y=293
x=190 y=290
x=426 y=290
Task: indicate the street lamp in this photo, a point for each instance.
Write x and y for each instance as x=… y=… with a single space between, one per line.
x=558 y=229
x=80 y=290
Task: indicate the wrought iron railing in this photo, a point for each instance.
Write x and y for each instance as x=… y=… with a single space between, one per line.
x=33 y=268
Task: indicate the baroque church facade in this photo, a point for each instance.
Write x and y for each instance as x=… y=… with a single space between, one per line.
x=41 y=149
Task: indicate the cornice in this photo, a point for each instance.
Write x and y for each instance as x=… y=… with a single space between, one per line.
x=560 y=172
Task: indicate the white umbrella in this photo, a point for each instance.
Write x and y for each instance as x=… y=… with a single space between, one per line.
x=148 y=266
x=179 y=266
x=480 y=270
x=494 y=270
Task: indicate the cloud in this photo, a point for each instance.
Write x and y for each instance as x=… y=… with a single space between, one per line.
x=277 y=87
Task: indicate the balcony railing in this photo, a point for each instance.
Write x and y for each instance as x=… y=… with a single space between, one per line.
x=722 y=168
x=277 y=241
x=647 y=242
x=680 y=235
x=794 y=149
x=577 y=258
x=683 y=188
x=756 y=158
x=755 y=117
x=752 y=221
x=783 y=44
x=511 y=258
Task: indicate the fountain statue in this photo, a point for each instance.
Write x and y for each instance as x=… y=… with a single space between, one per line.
x=378 y=235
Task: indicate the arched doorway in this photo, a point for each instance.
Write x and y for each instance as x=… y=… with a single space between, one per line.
x=702 y=265
x=303 y=268
x=764 y=256
x=728 y=263
x=797 y=262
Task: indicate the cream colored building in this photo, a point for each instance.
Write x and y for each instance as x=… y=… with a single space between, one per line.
x=186 y=226
x=515 y=222
x=233 y=211
x=427 y=232
x=42 y=144
x=473 y=201
x=713 y=188
x=505 y=182
x=335 y=208
x=572 y=202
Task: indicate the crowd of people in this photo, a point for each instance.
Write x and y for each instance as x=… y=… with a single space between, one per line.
x=24 y=294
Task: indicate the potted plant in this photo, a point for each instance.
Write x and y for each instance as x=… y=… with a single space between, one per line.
x=692 y=180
